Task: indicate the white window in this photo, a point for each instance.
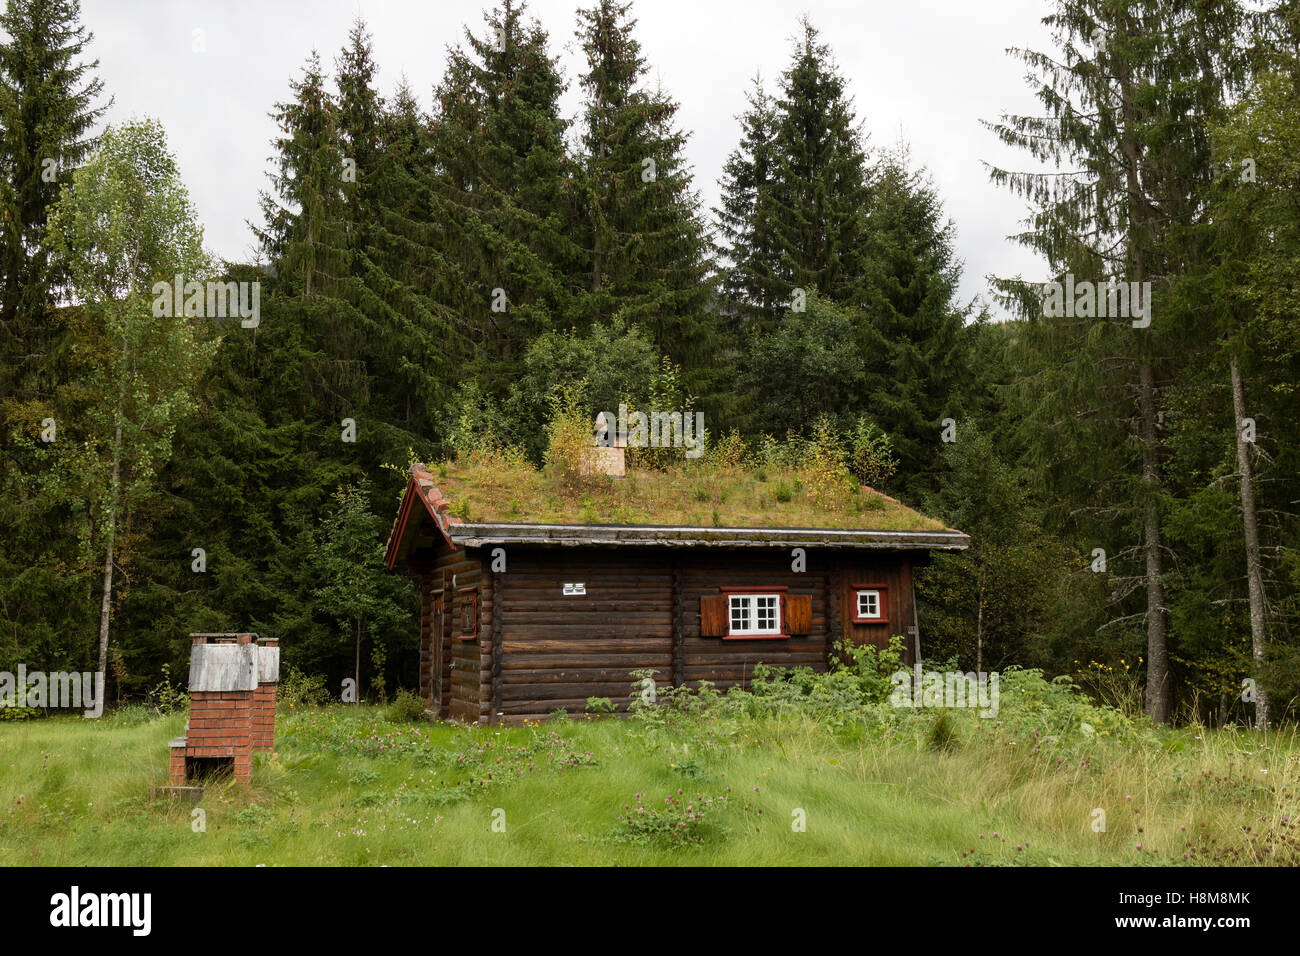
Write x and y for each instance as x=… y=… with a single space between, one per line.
x=869 y=604
x=755 y=614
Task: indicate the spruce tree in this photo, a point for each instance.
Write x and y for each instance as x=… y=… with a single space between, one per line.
x=1128 y=95
x=48 y=108
x=644 y=235
x=817 y=206
x=746 y=247
x=912 y=341
x=360 y=122
x=301 y=234
x=501 y=193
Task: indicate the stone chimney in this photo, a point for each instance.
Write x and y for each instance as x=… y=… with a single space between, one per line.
x=607 y=455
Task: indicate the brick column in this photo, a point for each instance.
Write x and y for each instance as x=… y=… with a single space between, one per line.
x=176 y=772
x=240 y=722
x=268 y=677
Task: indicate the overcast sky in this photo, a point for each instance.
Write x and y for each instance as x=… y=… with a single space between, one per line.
x=925 y=71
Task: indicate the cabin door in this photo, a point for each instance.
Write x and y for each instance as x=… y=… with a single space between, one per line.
x=436 y=667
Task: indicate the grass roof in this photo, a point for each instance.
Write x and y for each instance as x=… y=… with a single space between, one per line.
x=697 y=494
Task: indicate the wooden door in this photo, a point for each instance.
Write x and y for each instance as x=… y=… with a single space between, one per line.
x=436 y=682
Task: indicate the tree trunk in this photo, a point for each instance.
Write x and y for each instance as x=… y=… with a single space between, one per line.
x=1139 y=232
x=1254 y=573
x=115 y=483
x=358 y=661
x=106 y=602
x=979 y=630
x=1158 y=704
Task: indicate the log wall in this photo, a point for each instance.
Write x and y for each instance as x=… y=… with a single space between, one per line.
x=641 y=609
x=451 y=669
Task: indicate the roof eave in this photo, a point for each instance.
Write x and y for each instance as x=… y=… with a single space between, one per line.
x=480 y=534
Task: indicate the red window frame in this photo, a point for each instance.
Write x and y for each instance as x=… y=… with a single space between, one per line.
x=467 y=600
x=780 y=634
x=883 y=618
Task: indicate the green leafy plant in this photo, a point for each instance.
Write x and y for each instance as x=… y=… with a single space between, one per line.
x=679 y=821
x=406 y=707
x=297 y=689
x=166 y=697
x=871 y=453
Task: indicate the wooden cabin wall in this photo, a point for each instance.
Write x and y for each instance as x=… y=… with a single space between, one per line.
x=463 y=665
x=558 y=650
x=730 y=662
x=538 y=650
x=429 y=583
x=892 y=571
x=642 y=610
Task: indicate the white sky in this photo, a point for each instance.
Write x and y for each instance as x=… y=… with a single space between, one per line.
x=926 y=71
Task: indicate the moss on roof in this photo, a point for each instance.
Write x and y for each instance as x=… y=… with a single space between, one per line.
x=695 y=495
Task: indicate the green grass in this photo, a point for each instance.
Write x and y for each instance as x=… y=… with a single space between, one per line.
x=347 y=786
x=701 y=494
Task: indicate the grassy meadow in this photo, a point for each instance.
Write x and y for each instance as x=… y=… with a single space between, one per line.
x=799 y=780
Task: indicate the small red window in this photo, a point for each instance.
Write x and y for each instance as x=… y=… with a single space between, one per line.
x=869 y=603
x=467 y=622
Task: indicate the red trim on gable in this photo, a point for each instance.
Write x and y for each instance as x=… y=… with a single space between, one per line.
x=399 y=526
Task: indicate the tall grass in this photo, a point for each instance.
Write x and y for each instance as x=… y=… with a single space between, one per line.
x=349 y=786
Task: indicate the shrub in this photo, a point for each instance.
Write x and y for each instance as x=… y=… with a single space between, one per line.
x=829 y=479
x=600 y=705
x=406 y=707
x=165 y=697
x=569 y=437
x=871 y=453
x=296 y=689
x=730 y=451
x=678 y=822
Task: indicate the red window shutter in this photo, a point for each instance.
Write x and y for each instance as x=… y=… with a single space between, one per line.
x=798 y=614
x=713 y=615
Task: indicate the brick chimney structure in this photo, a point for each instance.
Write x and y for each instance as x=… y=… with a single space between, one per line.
x=232 y=686
x=268 y=677
x=607 y=456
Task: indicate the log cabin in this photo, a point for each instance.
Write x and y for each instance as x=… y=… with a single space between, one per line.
x=533 y=606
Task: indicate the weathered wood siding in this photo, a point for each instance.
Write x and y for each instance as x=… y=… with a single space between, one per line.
x=893 y=572
x=429 y=584
x=727 y=662
x=537 y=649
x=461 y=667
x=557 y=650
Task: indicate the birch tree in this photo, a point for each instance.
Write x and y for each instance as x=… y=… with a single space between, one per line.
x=124 y=223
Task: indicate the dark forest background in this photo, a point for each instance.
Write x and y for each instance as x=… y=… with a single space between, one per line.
x=435 y=275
